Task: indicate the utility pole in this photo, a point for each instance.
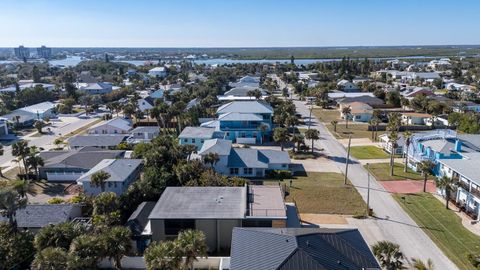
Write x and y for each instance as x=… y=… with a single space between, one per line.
x=348 y=160
x=368 y=189
x=310 y=116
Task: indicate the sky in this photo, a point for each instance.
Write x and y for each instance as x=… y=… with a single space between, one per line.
x=238 y=23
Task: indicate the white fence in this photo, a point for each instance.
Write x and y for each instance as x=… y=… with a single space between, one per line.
x=214 y=263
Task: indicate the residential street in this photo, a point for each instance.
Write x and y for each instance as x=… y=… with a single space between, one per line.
x=392 y=223
x=59 y=127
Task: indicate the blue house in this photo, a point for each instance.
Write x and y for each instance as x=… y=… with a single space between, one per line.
x=244 y=121
x=197 y=136
x=440 y=145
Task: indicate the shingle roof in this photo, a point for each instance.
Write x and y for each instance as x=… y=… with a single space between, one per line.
x=85 y=158
x=96 y=140
x=117 y=122
x=235 y=116
x=219 y=146
x=364 y=99
x=40 y=215
x=299 y=248
x=201 y=203
x=242 y=91
x=247 y=158
x=139 y=218
x=119 y=169
x=468 y=167
x=245 y=107
x=146 y=129
x=197 y=132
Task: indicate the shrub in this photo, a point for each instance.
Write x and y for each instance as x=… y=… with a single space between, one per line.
x=56 y=201
x=279 y=174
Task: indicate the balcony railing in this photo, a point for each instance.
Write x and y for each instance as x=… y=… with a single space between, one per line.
x=464 y=185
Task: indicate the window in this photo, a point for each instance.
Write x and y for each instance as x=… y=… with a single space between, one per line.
x=185 y=140
x=109 y=184
x=174 y=226
x=193 y=140
x=227 y=134
x=233 y=171
x=202 y=140
x=247 y=171
x=284 y=165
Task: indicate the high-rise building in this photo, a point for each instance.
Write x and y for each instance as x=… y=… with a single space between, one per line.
x=22 y=52
x=44 y=52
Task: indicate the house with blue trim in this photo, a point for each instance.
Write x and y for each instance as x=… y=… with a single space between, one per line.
x=440 y=145
x=244 y=162
x=197 y=136
x=247 y=122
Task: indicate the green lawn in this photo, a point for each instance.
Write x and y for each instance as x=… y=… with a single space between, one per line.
x=381 y=171
x=354 y=130
x=368 y=152
x=324 y=193
x=327 y=116
x=443 y=226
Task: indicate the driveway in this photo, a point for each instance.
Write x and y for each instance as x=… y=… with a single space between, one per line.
x=392 y=224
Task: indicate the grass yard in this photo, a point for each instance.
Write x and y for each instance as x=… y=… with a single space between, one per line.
x=381 y=171
x=324 y=193
x=326 y=116
x=443 y=226
x=354 y=130
x=368 y=152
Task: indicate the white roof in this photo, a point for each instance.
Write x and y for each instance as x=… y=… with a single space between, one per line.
x=39 y=108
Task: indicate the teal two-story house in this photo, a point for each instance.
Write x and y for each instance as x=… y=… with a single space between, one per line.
x=245 y=121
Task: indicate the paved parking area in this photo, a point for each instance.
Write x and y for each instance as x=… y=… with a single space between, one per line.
x=407 y=186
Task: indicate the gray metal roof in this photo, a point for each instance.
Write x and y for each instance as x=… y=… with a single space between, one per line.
x=40 y=215
x=85 y=158
x=197 y=132
x=117 y=122
x=235 y=116
x=119 y=169
x=299 y=248
x=96 y=140
x=364 y=99
x=254 y=106
x=219 y=146
x=201 y=203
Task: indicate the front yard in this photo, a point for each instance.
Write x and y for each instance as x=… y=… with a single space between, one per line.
x=354 y=130
x=443 y=226
x=368 y=152
x=327 y=116
x=381 y=171
x=324 y=193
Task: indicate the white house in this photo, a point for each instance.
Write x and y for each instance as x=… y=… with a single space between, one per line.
x=347 y=86
x=359 y=111
x=413 y=118
x=98 y=88
x=122 y=173
x=3 y=127
x=114 y=126
x=387 y=145
x=158 y=72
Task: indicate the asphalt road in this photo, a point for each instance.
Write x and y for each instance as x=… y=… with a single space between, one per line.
x=58 y=128
x=392 y=223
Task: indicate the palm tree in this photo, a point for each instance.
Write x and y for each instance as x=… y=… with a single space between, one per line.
x=420 y=265
x=21 y=151
x=394 y=121
x=313 y=135
x=447 y=184
x=39 y=124
x=280 y=135
x=117 y=244
x=425 y=167
x=192 y=245
x=392 y=139
x=292 y=121
x=99 y=178
x=1 y=154
x=389 y=255
x=334 y=124
x=10 y=202
x=211 y=158
x=50 y=258
x=263 y=129
x=371 y=123
x=407 y=135
x=163 y=255
x=346 y=111
x=297 y=139
x=34 y=160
